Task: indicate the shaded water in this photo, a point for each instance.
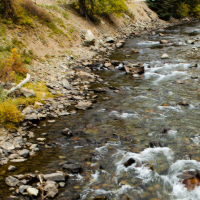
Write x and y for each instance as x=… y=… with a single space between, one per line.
x=122 y=127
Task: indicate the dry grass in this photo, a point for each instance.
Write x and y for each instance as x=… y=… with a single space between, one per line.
x=32 y=8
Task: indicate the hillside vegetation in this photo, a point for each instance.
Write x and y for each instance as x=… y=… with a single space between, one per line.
x=175 y=8
x=31 y=32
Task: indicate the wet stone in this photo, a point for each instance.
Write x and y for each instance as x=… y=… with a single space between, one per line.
x=100 y=198
x=55 y=177
x=73 y=168
x=12 y=168
x=11 y=181
x=129 y=162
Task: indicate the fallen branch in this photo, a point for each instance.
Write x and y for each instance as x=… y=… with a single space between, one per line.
x=28 y=76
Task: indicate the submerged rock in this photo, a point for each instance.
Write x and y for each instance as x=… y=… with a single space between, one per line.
x=183 y=103
x=100 y=198
x=66 y=132
x=73 y=168
x=153 y=144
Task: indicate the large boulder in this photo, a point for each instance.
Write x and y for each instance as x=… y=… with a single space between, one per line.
x=89 y=38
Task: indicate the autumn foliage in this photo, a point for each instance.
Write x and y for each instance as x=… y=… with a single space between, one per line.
x=10 y=116
x=12 y=67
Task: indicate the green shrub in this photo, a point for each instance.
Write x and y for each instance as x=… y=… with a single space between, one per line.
x=10 y=116
x=90 y=8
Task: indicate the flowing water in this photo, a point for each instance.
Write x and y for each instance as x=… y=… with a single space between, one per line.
x=144 y=121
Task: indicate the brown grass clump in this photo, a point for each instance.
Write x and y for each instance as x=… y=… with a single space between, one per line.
x=32 y=8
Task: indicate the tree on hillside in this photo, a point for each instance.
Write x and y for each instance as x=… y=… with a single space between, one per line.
x=175 y=8
x=7 y=9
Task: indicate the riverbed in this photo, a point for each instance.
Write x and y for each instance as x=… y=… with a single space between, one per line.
x=153 y=120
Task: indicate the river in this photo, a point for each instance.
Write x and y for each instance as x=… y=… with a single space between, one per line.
x=153 y=121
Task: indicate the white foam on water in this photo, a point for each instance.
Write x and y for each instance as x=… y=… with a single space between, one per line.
x=179 y=192
x=104 y=149
x=78 y=147
x=148 y=43
x=196 y=140
x=123 y=115
x=124 y=189
x=174 y=108
x=102 y=110
x=166 y=72
x=151 y=153
x=170 y=77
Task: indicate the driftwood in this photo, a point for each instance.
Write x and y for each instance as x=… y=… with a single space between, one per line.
x=28 y=76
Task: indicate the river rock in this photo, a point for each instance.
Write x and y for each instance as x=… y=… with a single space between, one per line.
x=85 y=76
x=164 y=56
x=23 y=188
x=129 y=162
x=59 y=176
x=51 y=189
x=100 y=198
x=183 y=103
x=33 y=191
x=31 y=117
x=8 y=146
x=19 y=160
x=89 y=38
x=165 y=130
x=153 y=144
x=163 y=42
x=66 y=132
x=27 y=93
x=11 y=181
x=193 y=65
x=11 y=197
x=73 y=168
x=110 y=40
x=18 y=142
x=66 y=84
x=12 y=168
x=41 y=139
x=24 y=153
x=119 y=45
x=190 y=41
x=83 y=105
x=134 y=51
x=134 y=68
x=28 y=110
